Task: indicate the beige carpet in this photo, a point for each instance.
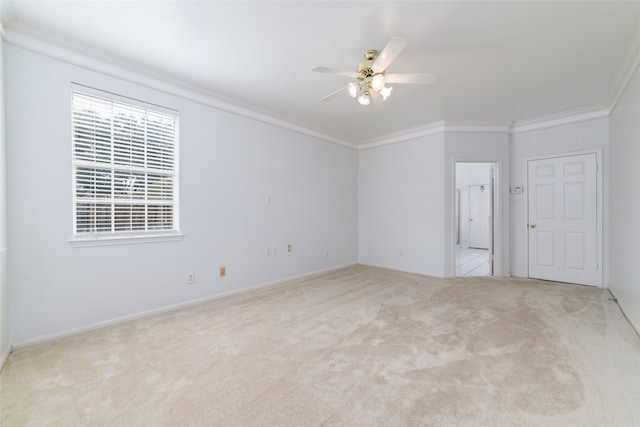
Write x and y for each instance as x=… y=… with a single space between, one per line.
x=357 y=347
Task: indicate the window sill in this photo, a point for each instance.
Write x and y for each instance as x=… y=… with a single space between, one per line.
x=81 y=242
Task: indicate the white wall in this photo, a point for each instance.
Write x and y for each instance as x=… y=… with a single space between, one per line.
x=480 y=146
x=228 y=164
x=401 y=205
x=4 y=280
x=406 y=207
x=568 y=138
x=625 y=201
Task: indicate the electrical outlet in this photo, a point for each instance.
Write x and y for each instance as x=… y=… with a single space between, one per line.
x=275 y=251
x=267 y=252
x=191 y=278
x=289 y=247
x=223 y=271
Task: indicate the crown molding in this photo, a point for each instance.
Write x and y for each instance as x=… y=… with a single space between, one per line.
x=537 y=123
x=3 y=35
x=615 y=97
x=7 y=16
x=558 y=119
x=403 y=135
x=480 y=127
x=625 y=72
x=439 y=127
x=30 y=40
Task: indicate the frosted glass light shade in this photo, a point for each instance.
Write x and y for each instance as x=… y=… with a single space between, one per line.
x=378 y=82
x=385 y=92
x=364 y=100
x=353 y=90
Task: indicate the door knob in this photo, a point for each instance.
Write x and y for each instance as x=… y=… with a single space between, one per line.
x=532 y=226
x=470 y=219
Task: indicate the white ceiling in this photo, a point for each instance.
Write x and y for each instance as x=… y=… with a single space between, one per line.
x=497 y=62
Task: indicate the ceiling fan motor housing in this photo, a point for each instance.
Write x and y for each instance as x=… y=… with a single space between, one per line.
x=364 y=67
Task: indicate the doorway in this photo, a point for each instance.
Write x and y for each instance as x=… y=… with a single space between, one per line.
x=474 y=218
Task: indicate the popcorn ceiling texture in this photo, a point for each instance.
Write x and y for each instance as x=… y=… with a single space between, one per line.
x=356 y=346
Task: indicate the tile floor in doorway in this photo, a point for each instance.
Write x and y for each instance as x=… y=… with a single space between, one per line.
x=471 y=262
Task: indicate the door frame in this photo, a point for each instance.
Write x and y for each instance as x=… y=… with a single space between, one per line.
x=599 y=206
x=497 y=268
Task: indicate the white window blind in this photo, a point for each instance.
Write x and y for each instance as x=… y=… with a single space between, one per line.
x=124 y=169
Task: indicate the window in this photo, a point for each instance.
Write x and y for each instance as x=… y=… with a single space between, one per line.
x=125 y=179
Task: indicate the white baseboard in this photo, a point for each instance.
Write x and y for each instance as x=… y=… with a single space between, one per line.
x=4 y=357
x=403 y=270
x=631 y=322
x=118 y=320
x=422 y=273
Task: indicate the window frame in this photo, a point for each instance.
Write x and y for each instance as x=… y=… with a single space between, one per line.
x=114 y=236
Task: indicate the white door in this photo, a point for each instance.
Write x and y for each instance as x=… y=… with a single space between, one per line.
x=479 y=216
x=563 y=219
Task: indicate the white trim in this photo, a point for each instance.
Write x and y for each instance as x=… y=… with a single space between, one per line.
x=625 y=72
x=476 y=128
x=558 y=119
x=403 y=270
x=624 y=313
x=625 y=83
x=430 y=129
x=83 y=242
x=28 y=39
x=403 y=135
x=131 y=317
x=4 y=357
x=498 y=217
x=7 y=16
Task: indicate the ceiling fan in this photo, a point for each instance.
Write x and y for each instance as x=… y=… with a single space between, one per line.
x=371 y=74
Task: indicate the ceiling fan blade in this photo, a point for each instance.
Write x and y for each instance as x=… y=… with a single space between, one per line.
x=335 y=94
x=389 y=53
x=351 y=74
x=411 y=78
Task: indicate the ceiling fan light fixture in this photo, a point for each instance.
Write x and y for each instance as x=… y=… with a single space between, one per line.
x=353 y=90
x=378 y=82
x=364 y=100
x=371 y=74
x=385 y=92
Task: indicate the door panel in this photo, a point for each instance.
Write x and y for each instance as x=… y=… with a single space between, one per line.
x=479 y=216
x=574 y=244
x=544 y=249
x=544 y=192
x=563 y=219
x=574 y=207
